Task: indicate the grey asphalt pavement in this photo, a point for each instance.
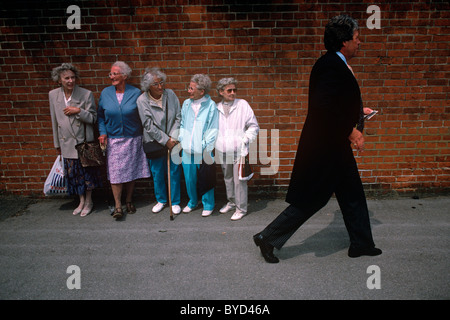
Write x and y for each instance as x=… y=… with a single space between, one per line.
x=147 y=256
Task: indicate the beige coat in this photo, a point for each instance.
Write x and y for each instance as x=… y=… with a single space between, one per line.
x=69 y=130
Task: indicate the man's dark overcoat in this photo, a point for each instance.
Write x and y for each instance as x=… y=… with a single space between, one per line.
x=324 y=150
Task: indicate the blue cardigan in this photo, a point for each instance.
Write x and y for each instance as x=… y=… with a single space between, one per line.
x=118 y=121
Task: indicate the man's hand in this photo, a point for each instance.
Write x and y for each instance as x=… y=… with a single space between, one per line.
x=367 y=111
x=357 y=139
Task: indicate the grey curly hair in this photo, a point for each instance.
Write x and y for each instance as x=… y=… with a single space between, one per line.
x=149 y=76
x=124 y=68
x=203 y=82
x=225 y=82
x=56 y=72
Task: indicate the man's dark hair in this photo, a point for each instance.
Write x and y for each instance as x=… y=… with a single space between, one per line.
x=338 y=30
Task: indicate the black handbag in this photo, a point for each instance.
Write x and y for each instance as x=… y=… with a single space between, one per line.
x=90 y=153
x=206 y=177
x=153 y=149
x=245 y=169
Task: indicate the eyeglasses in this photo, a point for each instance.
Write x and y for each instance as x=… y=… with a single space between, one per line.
x=114 y=73
x=193 y=89
x=231 y=90
x=161 y=83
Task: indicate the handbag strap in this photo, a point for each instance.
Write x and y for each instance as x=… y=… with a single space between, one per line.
x=85 y=132
x=85 y=135
x=84 y=141
x=167 y=113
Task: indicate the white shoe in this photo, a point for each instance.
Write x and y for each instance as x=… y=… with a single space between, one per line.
x=228 y=207
x=158 y=207
x=206 y=213
x=176 y=209
x=77 y=210
x=87 y=209
x=238 y=215
x=187 y=209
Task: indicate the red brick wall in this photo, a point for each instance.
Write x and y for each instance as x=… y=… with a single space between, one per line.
x=402 y=68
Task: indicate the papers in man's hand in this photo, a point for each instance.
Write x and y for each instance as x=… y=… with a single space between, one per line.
x=370 y=115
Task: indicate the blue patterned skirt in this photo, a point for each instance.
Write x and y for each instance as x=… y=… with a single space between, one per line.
x=81 y=179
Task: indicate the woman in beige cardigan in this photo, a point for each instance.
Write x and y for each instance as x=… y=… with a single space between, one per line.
x=72 y=110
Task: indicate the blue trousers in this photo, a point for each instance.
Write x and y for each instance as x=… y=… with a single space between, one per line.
x=190 y=169
x=158 y=168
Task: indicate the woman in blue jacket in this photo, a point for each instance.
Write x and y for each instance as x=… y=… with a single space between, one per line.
x=198 y=132
x=121 y=131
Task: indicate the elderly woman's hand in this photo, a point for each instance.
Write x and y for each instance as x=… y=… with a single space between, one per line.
x=103 y=140
x=70 y=111
x=171 y=143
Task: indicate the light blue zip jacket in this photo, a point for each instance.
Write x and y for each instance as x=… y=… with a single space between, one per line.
x=198 y=133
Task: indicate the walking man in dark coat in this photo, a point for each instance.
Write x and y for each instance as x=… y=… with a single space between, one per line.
x=324 y=163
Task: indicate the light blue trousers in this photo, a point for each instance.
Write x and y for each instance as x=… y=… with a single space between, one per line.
x=158 y=167
x=190 y=169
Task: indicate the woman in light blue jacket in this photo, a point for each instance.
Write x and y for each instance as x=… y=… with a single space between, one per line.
x=198 y=132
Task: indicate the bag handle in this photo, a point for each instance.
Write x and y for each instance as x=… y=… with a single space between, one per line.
x=167 y=113
x=85 y=132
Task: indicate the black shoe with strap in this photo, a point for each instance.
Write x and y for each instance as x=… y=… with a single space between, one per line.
x=118 y=213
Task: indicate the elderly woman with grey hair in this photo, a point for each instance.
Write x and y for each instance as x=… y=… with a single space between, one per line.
x=238 y=127
x=121 y=132
x=160 y=113
x=198 y=132
x=72 y=109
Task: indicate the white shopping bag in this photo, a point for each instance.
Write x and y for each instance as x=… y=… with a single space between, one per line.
x=56 y=183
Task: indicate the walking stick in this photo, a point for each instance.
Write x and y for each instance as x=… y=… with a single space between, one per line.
x=111 y=207
x=168 y=183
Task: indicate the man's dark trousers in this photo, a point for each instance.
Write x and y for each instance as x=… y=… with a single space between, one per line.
x=349 y=193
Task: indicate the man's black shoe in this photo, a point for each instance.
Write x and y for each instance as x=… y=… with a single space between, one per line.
x=355 y=253
x=266 y=249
